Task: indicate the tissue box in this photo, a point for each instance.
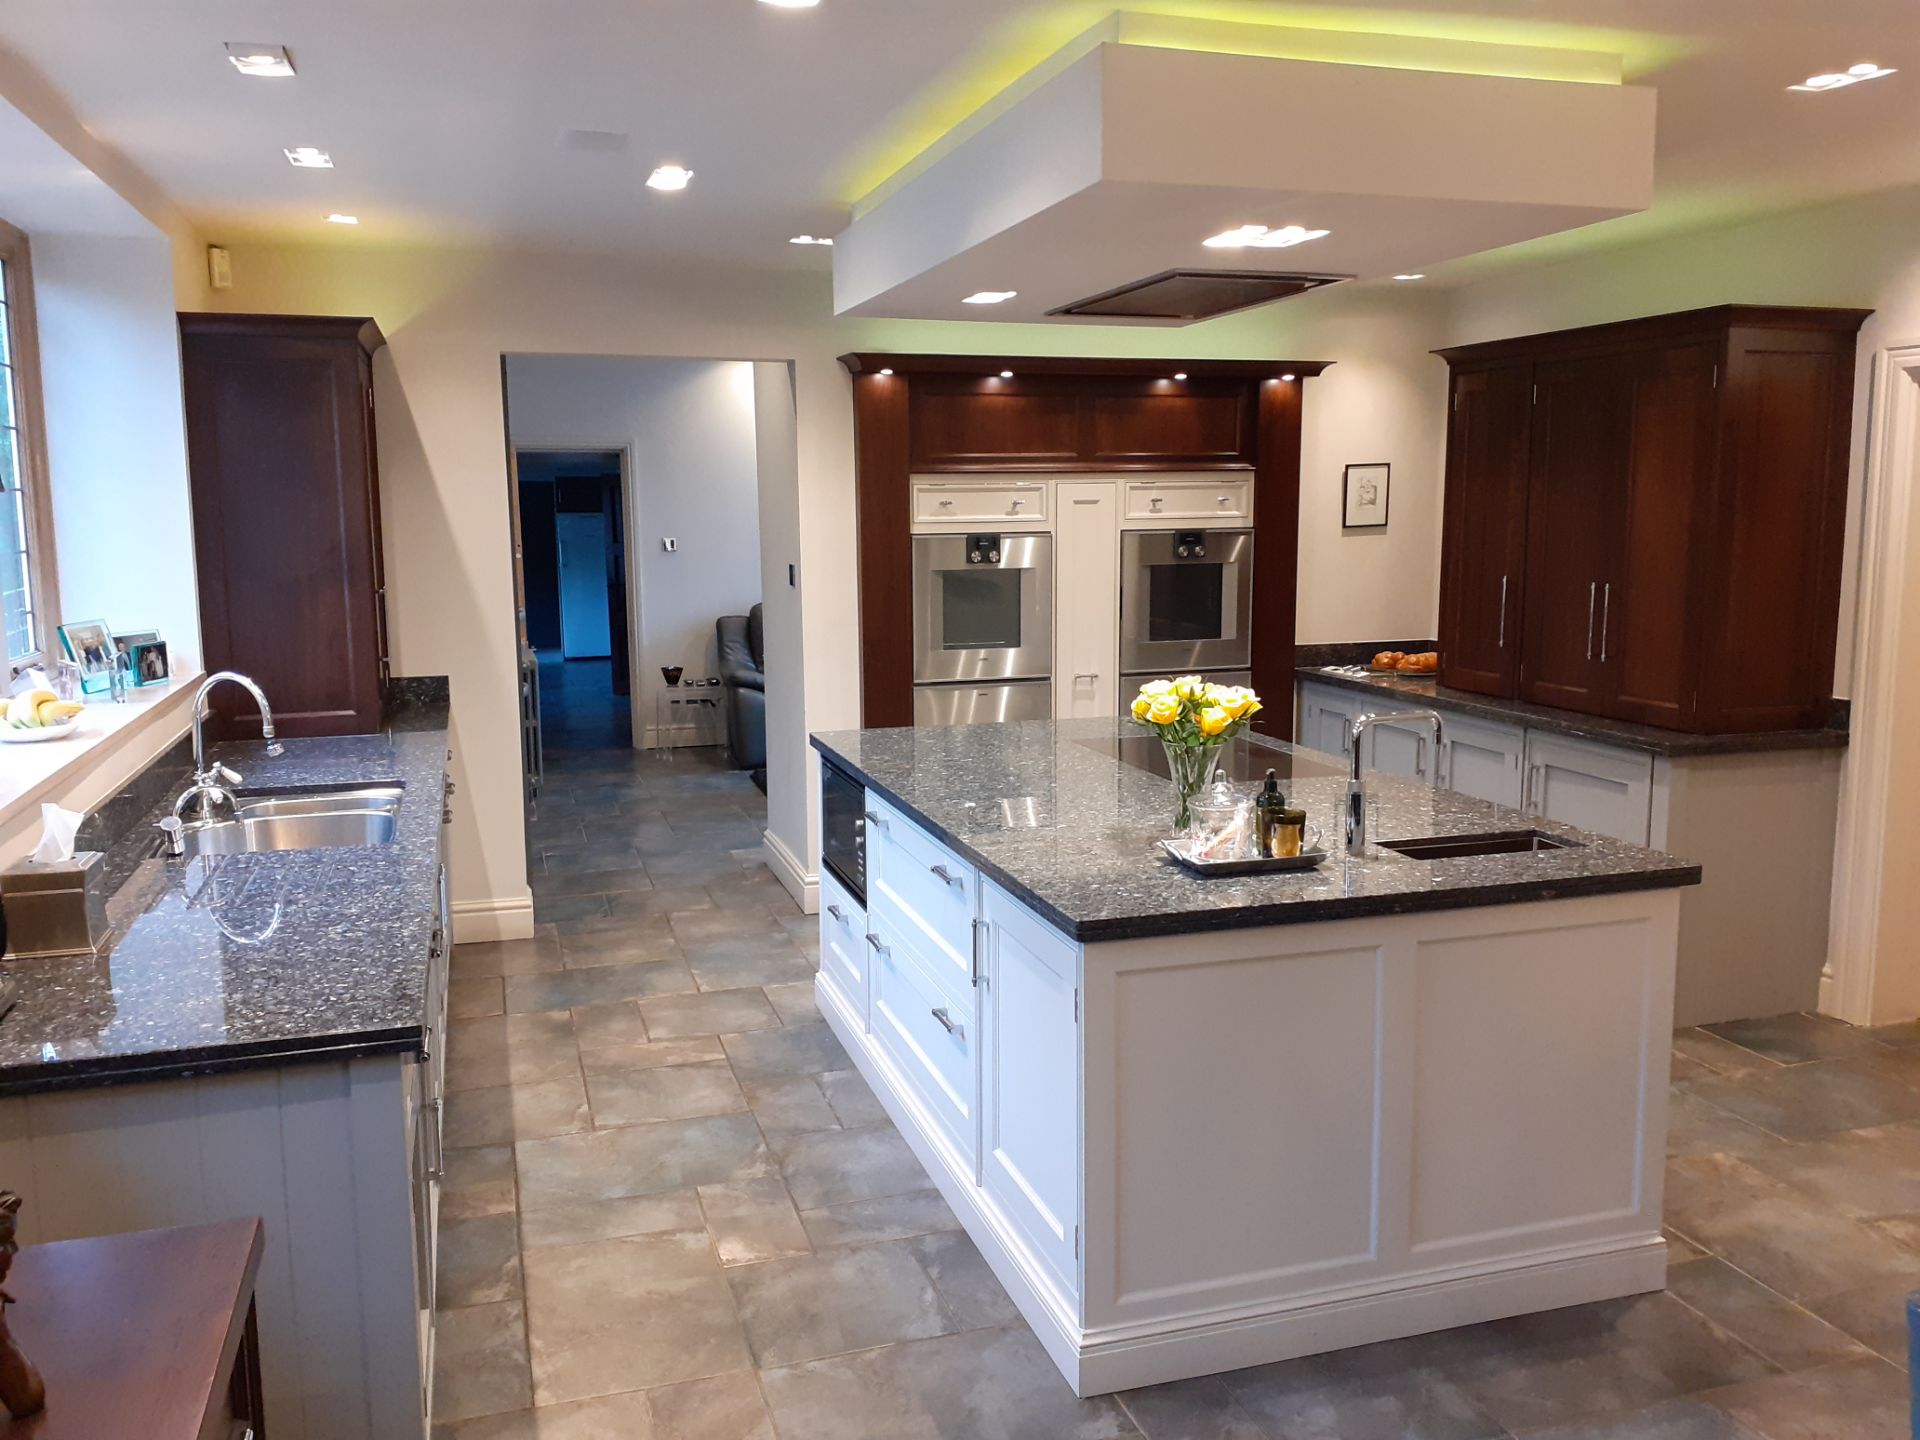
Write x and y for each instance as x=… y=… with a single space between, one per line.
x=56 y=907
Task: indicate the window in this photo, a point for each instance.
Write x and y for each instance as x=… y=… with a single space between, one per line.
x=25 y=554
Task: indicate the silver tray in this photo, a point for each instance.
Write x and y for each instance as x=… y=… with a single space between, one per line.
x=1246 y=864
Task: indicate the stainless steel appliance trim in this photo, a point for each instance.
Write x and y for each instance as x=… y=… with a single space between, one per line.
x=993 y=704
x=1140 y=549
x=1032 y=659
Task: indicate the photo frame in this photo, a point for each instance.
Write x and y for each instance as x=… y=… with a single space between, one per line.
x=1363 y=495
x=89 y=645
x=151 y=665
x=125 y=640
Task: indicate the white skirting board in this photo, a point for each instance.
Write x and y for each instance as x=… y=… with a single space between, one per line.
x=476 y=921
x=803 y=884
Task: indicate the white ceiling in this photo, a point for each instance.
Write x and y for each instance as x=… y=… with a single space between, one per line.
x=444 y=117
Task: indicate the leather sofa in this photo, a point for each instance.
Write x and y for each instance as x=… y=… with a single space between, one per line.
x=742 y=647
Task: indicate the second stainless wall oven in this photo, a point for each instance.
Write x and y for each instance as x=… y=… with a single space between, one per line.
x=1186 y=601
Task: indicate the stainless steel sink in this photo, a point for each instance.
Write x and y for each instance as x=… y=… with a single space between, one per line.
x=333 y=820
x=1450 y=847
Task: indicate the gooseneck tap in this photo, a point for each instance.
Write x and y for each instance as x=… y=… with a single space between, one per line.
x=1356 y=788
x=210 y=797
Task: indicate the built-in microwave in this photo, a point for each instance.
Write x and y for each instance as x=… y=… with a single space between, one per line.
x=843 y=829
x=1186 y=601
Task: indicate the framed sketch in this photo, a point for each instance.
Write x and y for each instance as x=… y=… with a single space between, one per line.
x=1364 y=496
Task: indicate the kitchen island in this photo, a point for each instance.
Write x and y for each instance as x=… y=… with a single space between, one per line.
x=1197 y=1124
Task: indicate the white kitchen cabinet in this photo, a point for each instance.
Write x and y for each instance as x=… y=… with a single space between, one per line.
x=989 y=504
x=1403 y=750
x=1325 y=715
x=844 y=951
x=1200 y=500
x=1086 y=557
x=1596 y=787
x=1030 y=1080
x=928 y=1032
x=1483 y=759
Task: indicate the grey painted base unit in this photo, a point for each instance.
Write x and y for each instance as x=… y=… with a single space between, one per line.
x=1760 y=823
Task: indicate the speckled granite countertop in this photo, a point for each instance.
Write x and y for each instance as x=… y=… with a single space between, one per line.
x=1419 y=690
x=245 y=960
x=1064 y=814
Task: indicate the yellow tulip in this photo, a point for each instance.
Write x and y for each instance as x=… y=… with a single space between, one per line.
x=1163 y=710
x=1190 y=687
x=1213 y=720
x=1140 y=704
x=1237 y=701
x=1157 y=687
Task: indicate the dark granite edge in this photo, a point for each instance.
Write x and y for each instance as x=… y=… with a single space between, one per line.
x=1677 y=875
x=93 y=1072
x=1599 y=729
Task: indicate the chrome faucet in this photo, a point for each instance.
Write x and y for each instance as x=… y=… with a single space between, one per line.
x=1356 y=788
x=210 y=797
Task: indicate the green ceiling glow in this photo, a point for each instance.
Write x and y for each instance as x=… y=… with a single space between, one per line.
x=1025 y=54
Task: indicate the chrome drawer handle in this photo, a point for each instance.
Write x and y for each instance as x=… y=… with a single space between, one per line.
x=959 y=1032
x=943 y=873
x=837 y=913
x=876 y=819
x=874 y=941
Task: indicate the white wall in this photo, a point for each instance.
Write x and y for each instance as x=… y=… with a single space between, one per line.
x=778 y=459
x=688 y=429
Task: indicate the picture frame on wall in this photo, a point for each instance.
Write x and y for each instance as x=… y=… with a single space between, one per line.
x=1363 y=496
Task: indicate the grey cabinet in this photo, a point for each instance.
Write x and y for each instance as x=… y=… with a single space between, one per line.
x=1595 y=787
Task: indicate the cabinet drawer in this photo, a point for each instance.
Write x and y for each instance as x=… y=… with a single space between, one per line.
x=929 y=1035
x=1595 y=787
x=918 y=884
x=1004 y=504
x=844 y=952
x=1228 y=498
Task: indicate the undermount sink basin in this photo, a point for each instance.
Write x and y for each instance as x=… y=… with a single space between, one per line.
x=1451 y=847
x=334 y=820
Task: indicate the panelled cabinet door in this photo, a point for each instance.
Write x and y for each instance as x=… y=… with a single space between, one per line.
x=1406 y=751
x=845 y=955
x=1595 y=787
x=1484 y=535
x=1647 y=644
x=1325 y=714
x=1582 y=421
x=1484 y=760
x=1086 y=554
x=1030 y=1083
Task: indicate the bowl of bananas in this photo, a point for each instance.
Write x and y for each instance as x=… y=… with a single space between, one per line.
x=39 y=715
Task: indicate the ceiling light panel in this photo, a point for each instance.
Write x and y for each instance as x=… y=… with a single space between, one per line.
x=1414 y=276
x=309 y=157
x=265 y=61
x=791 y=4
x=1259 y=237
x=338 y=219
x=811 y=240
x=669 y=177
x=989 y=297
x=1840 y=80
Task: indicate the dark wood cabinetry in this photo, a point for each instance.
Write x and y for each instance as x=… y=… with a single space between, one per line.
x=1644 y=520
x=286 y=515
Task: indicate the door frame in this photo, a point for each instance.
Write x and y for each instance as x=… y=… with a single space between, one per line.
x=1887 y=566
x=630 y=519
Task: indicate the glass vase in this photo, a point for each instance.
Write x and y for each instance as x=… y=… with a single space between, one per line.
x=1191 y=767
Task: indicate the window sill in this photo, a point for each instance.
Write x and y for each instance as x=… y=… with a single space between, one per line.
x=30 y=774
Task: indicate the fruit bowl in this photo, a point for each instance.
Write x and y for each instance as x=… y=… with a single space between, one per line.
x=34 y=734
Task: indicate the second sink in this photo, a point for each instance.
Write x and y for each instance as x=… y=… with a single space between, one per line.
x=335 y=820
x=1450 y=847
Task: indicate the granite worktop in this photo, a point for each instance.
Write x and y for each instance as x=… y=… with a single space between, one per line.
x=1065 y=814
x=1425 y=690
x=227 y=962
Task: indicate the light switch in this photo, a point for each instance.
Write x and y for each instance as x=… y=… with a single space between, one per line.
x=669 y=544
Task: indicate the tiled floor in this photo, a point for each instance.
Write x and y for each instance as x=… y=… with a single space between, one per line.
x=673 y=1212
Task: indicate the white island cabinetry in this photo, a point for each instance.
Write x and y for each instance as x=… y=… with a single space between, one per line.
x=1191 y=1152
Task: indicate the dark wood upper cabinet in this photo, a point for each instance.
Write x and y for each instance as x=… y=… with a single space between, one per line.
x=961 y=425
x=1171 y=423
x=1484 y=538
x=1684 y=502
x=286 y=516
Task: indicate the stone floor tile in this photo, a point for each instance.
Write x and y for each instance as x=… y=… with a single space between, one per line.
x=1856 y=1400
x=568 y=909
x=1875 y=1314
x=721 y=1407
x=665 y=899
x=890 y=1217
x=505 y=1113
x=1669 y=1420
x=594 y=860
x=1681 y=1066
x=1791 y=1337
x=1378 y=1392
x=1723 y=1057
x=1794 y=1039
x=639 y=942
x=794 y=1001
x=566 y=989
x=478 y=1262
x=479 y=1181
x=1901 y=1035
x=979 y=1385
x=589 y=1220
x=1201 y=1409
x=793 y=1050
x=480 y=1361
x=510 y=1050
x=833 y=1167
x=1816 y=1098
x=610 y=1023
x=469 y=996
x=729 y=965
x=712 y=924
x=627 y=1314
x=1680 y=1250
x=503 y=957
x=665 y=1092
x=607 y=1417
x=691 y=1051
x=791 y=1105
x=972 y=1293
x=1698 y=1127
x=753 y=1220
x=836 y=1302
x=718 y=1012
x=1863 y=1173
x=853 y=1099
x=639 y=1160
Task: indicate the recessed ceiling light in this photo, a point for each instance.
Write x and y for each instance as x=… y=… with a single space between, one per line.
x=1286 y=377
x=1006 y=374
x=1853 y=75
x=1410 y=277
x=1181 y=375
x=1259 y=237
x=263 y=60
x=886 y=370
x=338 y=219
x=669 y=177
x=989 y=297
x=791 y=4
x=307 y=157
x=811 y=240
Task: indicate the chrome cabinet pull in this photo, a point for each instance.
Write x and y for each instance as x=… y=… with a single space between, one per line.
x=945 y=875
x=1155 y=502
x=874 y=941
x=837 y=913
x=959 y=1032
x=1226 y=499
x=1593 y=592
x=1503 y=612
x=436 y=1170
x=1606 y=612
x=1088 y=675
x=874 y=818
x=1420 y=756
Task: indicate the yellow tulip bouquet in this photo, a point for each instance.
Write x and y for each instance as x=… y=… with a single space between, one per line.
x=1194 y=719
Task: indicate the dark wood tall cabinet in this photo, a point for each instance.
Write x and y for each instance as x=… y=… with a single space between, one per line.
x=286 y=516
x=1645 y=520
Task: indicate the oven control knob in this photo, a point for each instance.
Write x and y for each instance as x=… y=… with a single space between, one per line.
x=1183 y=551
x=1200 y=551
x=973 y=557
x=993 y=556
